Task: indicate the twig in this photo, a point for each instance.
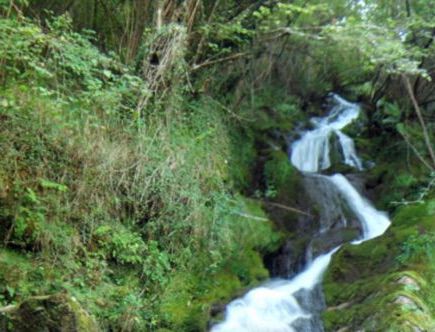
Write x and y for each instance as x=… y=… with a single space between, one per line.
x=288 y=208
x=420 y=119
x=213 y=62
x=203 y=37
x=231 y=112
x=420 y=197
x=8 y=308
x=414 y=149
x=250 y=216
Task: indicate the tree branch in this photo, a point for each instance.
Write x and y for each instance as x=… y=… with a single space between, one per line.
x=420 y=118
x=414 y=149
x=288 y=208
x=213 y=62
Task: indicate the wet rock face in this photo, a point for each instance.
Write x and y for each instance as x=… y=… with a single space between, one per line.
x=331 y=239
x=285 y=262
x=328 y=204
x=312 y=300
x=56 y=313
x=328 y=222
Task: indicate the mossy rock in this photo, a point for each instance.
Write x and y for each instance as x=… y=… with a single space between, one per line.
x=280 y=174
x=288 y=195
x=329 y=240
x=53 y=313
x=364 y=287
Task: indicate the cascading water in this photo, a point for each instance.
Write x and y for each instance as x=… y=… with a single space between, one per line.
x=311 y=152
x=290 y=305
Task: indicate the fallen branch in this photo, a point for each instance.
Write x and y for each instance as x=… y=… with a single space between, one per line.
x=8 y=308
x=250 y=216
x=288 y=208
x=213 y=62
x=422 y=195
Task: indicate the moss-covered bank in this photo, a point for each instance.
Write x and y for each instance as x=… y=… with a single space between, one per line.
x=386 y=284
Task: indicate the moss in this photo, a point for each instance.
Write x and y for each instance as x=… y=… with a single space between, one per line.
x=366 y=278
x=221 y=287
x=176 y=303
x=189 y=297
x=279 y=172
x=57 y=312
x=187 y=302
x=286 y=189
x=256 y=230
x=274 y=109
x=19 y=275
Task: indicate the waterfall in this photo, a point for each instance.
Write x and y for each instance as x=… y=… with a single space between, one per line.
x=291 y=305
x=311 y=152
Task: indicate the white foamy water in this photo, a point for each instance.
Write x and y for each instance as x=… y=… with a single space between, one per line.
x=374 y=223
x=273 y=306
x=311 y=153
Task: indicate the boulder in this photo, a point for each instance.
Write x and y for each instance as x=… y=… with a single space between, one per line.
x=53 y=313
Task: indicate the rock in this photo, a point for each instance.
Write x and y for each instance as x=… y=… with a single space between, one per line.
x=406 y=301
x=333 y=212
x=312 y=301
x=287 y=260
x=54 y=313
x=324 y=242
x=408 y=281
x=217 y=309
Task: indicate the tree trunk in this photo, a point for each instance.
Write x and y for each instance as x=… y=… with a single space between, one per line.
x=420 y=119
x=140 y=11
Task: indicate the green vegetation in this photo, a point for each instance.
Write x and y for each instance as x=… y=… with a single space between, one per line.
x=143 y=144
x=137 y=217
x=386 y=283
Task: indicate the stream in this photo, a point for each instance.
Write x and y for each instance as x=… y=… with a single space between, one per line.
x=294 y=305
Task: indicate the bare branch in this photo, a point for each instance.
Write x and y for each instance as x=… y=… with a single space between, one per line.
x=420 y=119
x=213 y=62
x=288 y=208
x=414 y=149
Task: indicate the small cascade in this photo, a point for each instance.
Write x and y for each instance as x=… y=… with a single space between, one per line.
x=273 y=307
x=312 y=152
x=294 y=305
x=365 y=212
x=348 y=150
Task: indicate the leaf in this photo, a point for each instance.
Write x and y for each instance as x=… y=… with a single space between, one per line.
x=107 y=73
x=47 y=184
x=400 y=127
x=31 y=196
x=11 y=291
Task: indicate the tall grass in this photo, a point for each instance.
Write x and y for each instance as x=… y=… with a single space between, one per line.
x=111 y=204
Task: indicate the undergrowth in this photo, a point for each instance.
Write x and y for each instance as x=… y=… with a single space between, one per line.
x=136 y=215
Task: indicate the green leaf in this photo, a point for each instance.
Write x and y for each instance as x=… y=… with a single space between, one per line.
x=400 y=127
x=107 y=73
x=47 y=184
